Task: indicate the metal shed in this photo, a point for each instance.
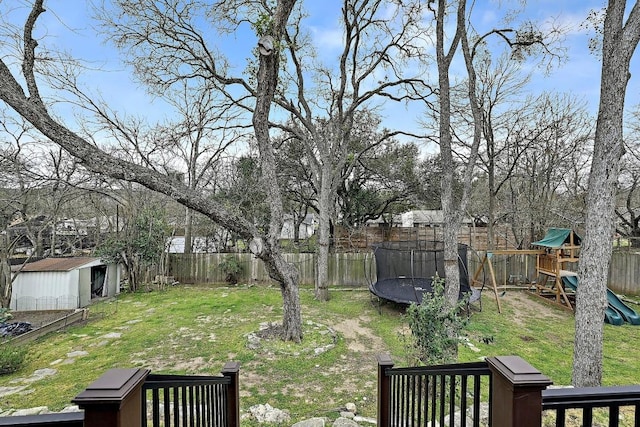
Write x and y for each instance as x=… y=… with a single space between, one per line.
x=63 y=283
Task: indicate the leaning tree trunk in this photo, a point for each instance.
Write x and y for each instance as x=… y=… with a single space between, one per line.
x=619 y=43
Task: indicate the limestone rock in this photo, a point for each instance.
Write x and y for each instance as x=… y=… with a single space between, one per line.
x=269 y=414
x=366 y=420
x=351 y=407
x=38 y=410
x=311 y=422
x=78 y=353
x=345 y=422
x=112 y=335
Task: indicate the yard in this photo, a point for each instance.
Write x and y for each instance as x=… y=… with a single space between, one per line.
x=195 y=330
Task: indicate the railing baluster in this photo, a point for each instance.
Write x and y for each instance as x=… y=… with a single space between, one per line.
x=184 y=412
x=155 y=400
x=452 y=400
x=587 y=417
x=425 y=399
x=393 y=410
x=419 y=402
x=434 y=399
x=560 y=417
x=443 y=387
x=476 y=401
x=415 y=409
x=614 y=416
x=402 y=390
x=463 y=400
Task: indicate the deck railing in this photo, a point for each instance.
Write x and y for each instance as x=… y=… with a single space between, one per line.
x=584 y=405
x=452 y=395
x=197 y=401
x=510 y=391
x=433 y=395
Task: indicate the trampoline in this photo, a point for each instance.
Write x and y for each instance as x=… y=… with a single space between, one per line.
x=405 y=270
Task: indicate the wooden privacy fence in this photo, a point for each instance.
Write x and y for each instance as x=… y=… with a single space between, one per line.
x=345 y=269
x=357 y=269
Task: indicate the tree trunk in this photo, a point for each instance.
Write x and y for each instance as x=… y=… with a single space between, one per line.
x=324 y=238
x=452 y=284
x=287 y=275
x=619 y=43
x=280 y=270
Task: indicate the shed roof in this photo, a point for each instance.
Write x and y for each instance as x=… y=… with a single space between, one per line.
x=556 y=237
x=59 y=264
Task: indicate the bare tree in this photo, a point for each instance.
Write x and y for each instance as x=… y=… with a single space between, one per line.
x=534 y=165
x=522 y=42
x=381 y=39
x=628 y=192
x=200 y=139
x=188 y=53
x=621 y=34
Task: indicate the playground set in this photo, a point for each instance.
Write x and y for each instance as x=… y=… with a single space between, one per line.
x=555 y=276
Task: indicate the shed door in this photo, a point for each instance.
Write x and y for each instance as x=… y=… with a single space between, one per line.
x=84 y=285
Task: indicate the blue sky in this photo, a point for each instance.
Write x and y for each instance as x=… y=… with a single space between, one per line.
x=67 y=24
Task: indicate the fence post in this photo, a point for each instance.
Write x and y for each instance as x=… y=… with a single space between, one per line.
x=114 y=399
x=231 y=370
x=516 y=392
x=384 y=390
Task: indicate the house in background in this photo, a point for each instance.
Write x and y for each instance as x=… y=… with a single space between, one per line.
x=306 y=229
x=427 y=218
x=63 y=283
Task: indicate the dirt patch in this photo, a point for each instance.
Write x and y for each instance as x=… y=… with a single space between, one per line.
x=526 y=306
x=359 y=338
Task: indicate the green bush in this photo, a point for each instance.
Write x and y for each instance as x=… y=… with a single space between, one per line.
x=11 y=358
x=231 y=267
x=435 y=327
x=5 y=315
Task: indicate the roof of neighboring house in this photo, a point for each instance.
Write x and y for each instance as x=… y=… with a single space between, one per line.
x=59 y=264
x=433 y=216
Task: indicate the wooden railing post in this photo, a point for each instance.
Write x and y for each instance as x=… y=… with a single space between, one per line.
x=384 y=390
x=114 y=399
x=231 y=370
x=516 y=392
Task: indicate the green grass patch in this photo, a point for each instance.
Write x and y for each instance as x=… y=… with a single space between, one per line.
x=195 y=330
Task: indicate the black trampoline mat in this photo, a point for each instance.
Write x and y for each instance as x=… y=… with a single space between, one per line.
x=407 y=290
x=403 y=290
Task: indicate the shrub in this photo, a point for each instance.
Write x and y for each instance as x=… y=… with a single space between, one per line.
x=435 y=327
x=232 y=269
x=11 y=358
x=5 y=315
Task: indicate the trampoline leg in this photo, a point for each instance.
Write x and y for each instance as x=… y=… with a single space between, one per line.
x=379 y=308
